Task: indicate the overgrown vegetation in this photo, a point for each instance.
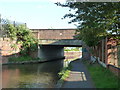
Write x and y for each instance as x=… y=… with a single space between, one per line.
x=23 y=36
x=64 y=73
x=102 y=77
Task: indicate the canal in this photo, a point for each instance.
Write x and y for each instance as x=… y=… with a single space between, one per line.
x=42 y=75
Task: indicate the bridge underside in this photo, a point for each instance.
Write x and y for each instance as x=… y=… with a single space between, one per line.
x=63 y=42
x=51 y=52
x=54 y=49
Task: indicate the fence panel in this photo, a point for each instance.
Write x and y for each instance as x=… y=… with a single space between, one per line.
x=114 y=54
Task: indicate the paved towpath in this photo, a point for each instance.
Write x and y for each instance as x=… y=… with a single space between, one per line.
x=79 y=77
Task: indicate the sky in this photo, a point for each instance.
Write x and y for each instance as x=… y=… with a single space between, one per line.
x=38 y=14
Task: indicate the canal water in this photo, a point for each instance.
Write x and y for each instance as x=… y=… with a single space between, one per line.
x=42 y=75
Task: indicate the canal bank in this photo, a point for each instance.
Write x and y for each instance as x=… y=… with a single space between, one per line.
x=32 y=61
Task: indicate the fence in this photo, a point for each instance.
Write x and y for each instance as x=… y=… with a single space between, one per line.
x=108 y=51
x=114 y=56
x=114 y=66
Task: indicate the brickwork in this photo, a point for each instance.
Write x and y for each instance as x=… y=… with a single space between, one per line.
x=72 y=54
x=114 y=70
x=6 y=49
x=54 y=33
x=107 y=51
x=112 y=52
x=35 y=34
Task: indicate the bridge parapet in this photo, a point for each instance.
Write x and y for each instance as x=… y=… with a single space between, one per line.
x=63 y=42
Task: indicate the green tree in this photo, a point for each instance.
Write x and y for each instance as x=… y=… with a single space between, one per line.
x=95 y=20
x=10 y=30
x=25 y=36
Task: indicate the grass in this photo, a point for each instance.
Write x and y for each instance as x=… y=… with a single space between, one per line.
x=71 y=50
x=22 y=58
x=102 y=77
x=64 y=73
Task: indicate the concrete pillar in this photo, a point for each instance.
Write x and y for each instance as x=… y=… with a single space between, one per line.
x=51 y=52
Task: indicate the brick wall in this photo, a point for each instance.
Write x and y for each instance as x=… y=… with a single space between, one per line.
x=72 y=54
x=6 y=50
x=107 y=50
x=114 y=69
x=54 y=33
x=112 y=50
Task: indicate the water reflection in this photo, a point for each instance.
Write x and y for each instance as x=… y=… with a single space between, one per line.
x=43 y=75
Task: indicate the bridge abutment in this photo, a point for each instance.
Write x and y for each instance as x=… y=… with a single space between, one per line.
x=50 y=52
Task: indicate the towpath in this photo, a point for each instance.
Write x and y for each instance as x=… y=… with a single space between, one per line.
x=79 y=77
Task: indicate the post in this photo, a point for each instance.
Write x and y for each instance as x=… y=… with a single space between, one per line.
x=106 y=52
x=14 y=23
x=103 y=50
x=0 y=26
x=26 y=25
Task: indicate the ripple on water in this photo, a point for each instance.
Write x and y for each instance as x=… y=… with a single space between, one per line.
x=32 y=85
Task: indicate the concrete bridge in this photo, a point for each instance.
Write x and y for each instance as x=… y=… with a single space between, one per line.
x=53 y=41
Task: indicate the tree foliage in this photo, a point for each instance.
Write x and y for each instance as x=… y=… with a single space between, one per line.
x=95 y=20
x=23 y=36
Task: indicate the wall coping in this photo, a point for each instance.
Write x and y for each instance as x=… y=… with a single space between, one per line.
x=113 y=66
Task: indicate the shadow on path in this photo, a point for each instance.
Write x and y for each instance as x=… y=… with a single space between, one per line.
x=79 y=76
